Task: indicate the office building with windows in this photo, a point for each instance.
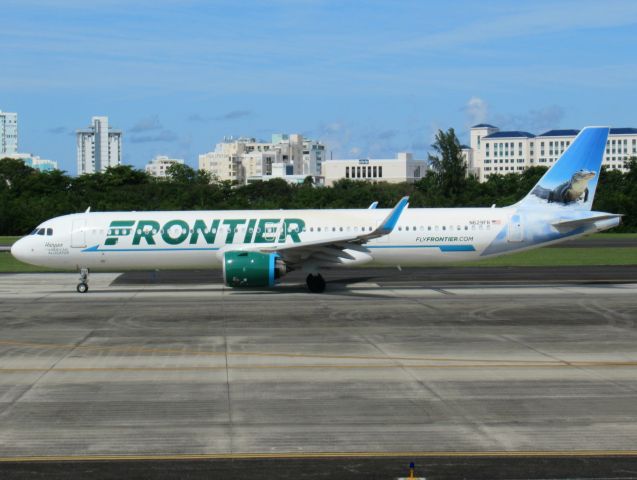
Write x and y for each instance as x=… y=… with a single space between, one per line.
x=403 y=168
x=98 y=147
x=8 y=133
x=159 y=165
x=33 y=161
x=500 y=152
x=240 y=159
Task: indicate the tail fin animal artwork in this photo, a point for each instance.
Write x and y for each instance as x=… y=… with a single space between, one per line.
x=572 y=181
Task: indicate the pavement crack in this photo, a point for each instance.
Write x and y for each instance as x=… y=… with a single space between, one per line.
x=16 y=400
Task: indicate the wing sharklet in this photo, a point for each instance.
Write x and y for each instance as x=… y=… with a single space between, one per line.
x=385 y=228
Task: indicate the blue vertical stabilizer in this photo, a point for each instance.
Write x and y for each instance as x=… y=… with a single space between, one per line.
x=573 y=179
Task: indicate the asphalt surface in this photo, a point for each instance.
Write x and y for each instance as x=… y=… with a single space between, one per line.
x=481 y=376
x=432 y=468
x=432 y=277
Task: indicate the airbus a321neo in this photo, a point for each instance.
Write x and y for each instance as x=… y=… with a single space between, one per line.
x=255 y=248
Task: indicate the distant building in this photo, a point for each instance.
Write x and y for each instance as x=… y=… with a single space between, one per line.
x=239 y=159
x=8 y=133
x=33 y=161
x=98 y=147
x=285 y=172
x=403 y=168
x=493 y=151
x=158 y=166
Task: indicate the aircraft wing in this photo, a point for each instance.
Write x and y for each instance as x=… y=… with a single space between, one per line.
x=334 y=249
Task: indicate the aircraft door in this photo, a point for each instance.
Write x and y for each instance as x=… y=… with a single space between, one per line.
x=78 y=234
x=515 y=231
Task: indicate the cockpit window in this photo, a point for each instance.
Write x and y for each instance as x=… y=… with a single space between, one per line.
x=34 y=232
x=41 y=231
x=49 y=232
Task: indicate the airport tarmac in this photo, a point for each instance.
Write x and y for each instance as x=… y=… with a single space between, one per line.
x=380 y=369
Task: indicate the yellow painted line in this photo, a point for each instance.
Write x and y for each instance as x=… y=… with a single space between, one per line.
x=140 y=349
x=319 y=455
x=309 y=366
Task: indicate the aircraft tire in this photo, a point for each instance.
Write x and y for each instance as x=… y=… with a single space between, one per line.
x=315 y=283
x=82 y=287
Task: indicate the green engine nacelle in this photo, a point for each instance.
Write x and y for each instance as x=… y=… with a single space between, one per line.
x=252 y=269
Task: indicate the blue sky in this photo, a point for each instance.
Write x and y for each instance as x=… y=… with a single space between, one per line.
x=369 y=78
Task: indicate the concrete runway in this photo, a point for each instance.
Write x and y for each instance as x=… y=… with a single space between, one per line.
x=360 y=380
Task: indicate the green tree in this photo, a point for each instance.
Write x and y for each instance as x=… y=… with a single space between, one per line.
x=448 y=165
x=180 y=173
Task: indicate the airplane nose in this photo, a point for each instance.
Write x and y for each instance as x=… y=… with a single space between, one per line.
x=19 y=249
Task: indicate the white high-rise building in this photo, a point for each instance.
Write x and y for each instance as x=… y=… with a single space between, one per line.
x=98 y=147
x=8 y=132
x=493 y=151
x=158 y=166
x=241 y=159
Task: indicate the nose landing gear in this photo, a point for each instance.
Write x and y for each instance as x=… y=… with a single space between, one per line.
x=315 y=283
x=82 y=287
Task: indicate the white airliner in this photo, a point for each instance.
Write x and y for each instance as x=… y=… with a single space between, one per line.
x=254 y=248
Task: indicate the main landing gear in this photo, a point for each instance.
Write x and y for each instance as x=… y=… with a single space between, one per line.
x=82 y=287
x=315 y=283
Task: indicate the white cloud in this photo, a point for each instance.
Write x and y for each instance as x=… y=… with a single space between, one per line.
x=535 y=120
x=477 y=110
x=147 y=124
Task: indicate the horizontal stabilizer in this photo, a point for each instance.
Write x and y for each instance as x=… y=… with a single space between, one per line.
x=568 y=225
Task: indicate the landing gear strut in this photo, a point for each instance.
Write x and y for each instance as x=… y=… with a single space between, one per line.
x=315 y=283
x=82 y=287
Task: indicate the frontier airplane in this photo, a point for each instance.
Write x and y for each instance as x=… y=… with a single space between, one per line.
x=255 y=248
